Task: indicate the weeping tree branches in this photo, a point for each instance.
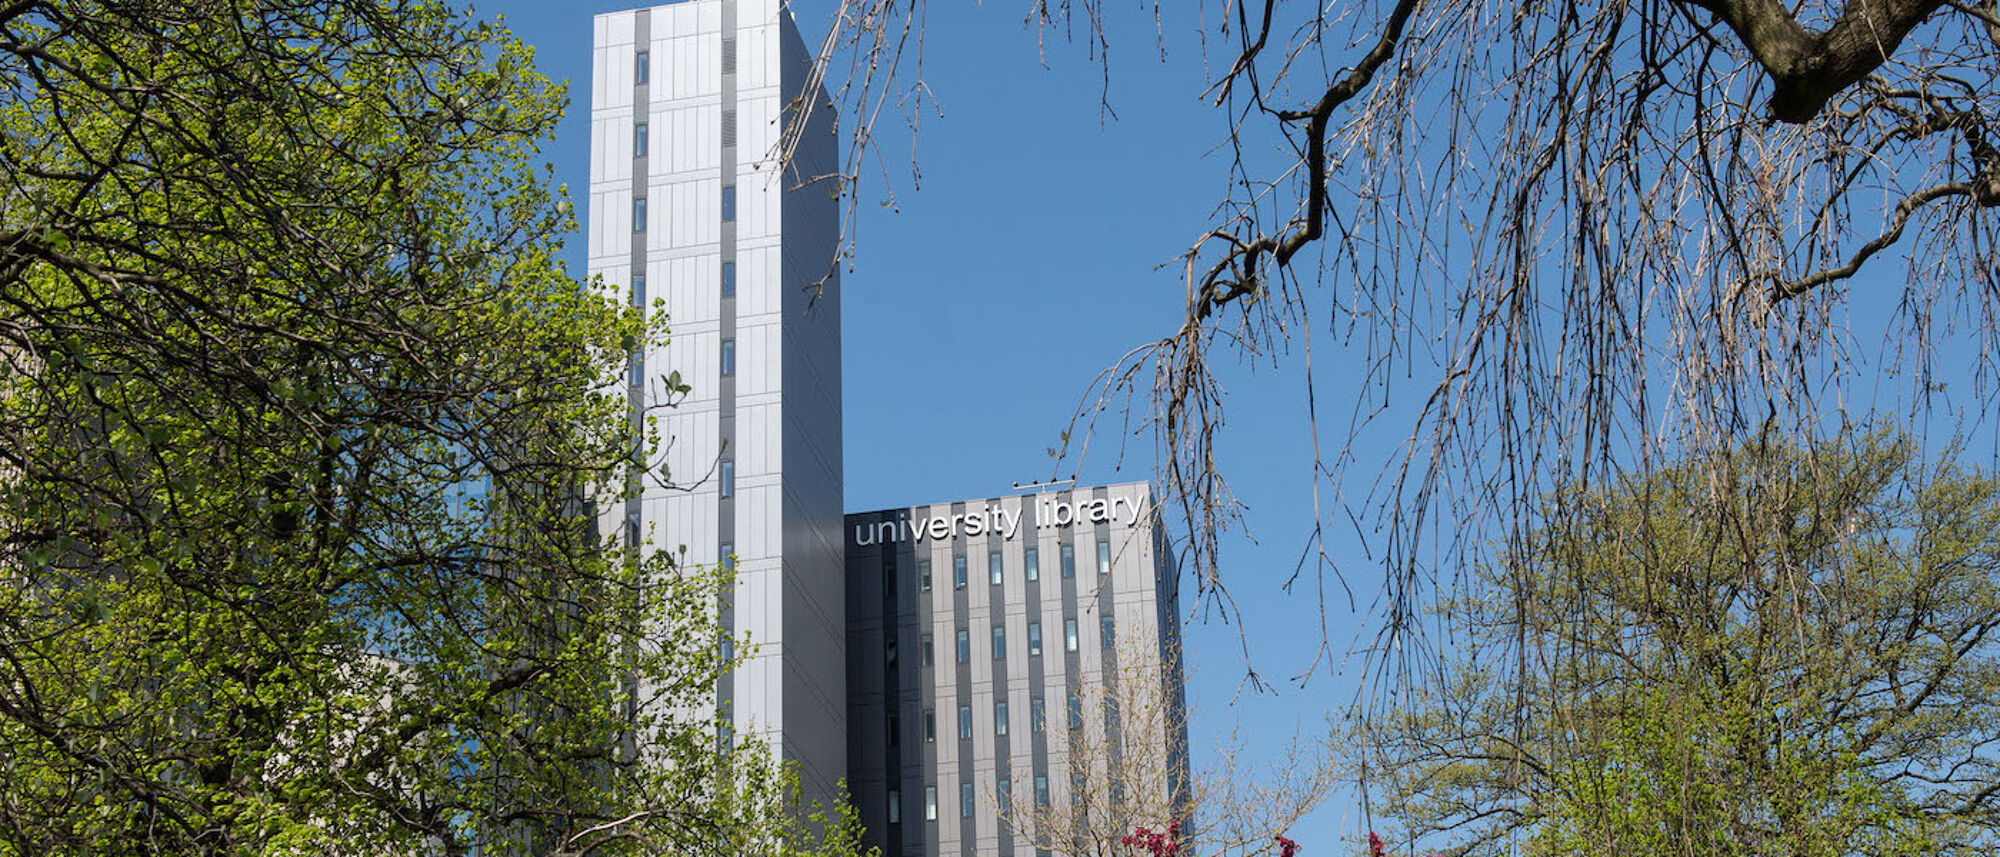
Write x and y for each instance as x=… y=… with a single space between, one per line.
x=1550 y=242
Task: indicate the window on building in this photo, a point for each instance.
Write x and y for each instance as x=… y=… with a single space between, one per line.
x=1103 y=558
x=642 y=68
x=639 y=289
x=1069 y=635
x=1000 y=717
x=639 y=214
x=728 y=553
x=965 y=723
x=993 y=567
x=1107 y=631
x=1042 y=790
x=728 y=357
x=729 y=202
x=928 y=657
x=1069 y=560
x=1037 y=715
x=965 y=800
x=726 y=478
x=964 y=646
x=729 y=279
x=958 y=571
x=895 y=806
x=1004 y=790
x=638 y=139
x=727 y=649
x=1075 y=711
x=1034 y=560
x=1035 y=639
x=999 y=642
x=930 y=803
x=930 y=725
x=924 y=575
x=889 y=654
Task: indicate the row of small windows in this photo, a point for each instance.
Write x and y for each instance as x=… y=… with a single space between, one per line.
x=728 y=215
x=642 y=63
x=1003 y=789
x=996 y=566
x=1107 y=630
x=728 y=284
x=1037 y=720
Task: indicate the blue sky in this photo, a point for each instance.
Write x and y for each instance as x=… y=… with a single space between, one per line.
x=978 y=311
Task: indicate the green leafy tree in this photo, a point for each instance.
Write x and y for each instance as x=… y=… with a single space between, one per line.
x=1770 y=652
x=301 y=425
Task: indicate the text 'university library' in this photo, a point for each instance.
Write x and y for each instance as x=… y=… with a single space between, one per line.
x=943 y=660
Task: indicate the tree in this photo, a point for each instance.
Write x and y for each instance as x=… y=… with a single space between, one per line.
x=1549 y=241
x=1123 y=797
x=1772 y=651
x=300 y=427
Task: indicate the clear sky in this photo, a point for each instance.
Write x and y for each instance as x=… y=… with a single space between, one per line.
x=979 y=309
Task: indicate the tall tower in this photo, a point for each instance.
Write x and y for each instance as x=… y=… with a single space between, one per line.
x=689 y=207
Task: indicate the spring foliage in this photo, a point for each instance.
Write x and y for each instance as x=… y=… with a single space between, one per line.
x=301 y=423
x=1775 y=651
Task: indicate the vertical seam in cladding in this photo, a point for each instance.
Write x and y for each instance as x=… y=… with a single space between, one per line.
x=725 y=512
x=634 y=277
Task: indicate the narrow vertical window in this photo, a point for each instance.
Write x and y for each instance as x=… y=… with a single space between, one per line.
x=728 y=554
x=993 y=567
x=1068 y=560
x=639 y=214
x=924 y=575
x=889 y=655
x=729 y=279
x=1075 y=711
x=965 y=800
x=1103 y=558
x=964 y=646
x=1107 y=631
x=639 y=288
x=728 y=357
x=638 y=139
x=1034 y=559
x=1042 y=790
x=1037 y=715
x=965 y=723
x=1000 y=717
x=1069 y=635
x=729 y=202
x=930 y=725
x=1035 y=639
x=895 y=806
x=958 y=571
x=642 y=68
x=1004 y=789
x=999 y=642
x=928 y=657
x=726 y=480
x=930 y=803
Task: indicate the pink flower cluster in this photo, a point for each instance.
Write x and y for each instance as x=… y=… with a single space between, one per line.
x=1153 y=842
x=1286 y=847
x=1376 y=848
